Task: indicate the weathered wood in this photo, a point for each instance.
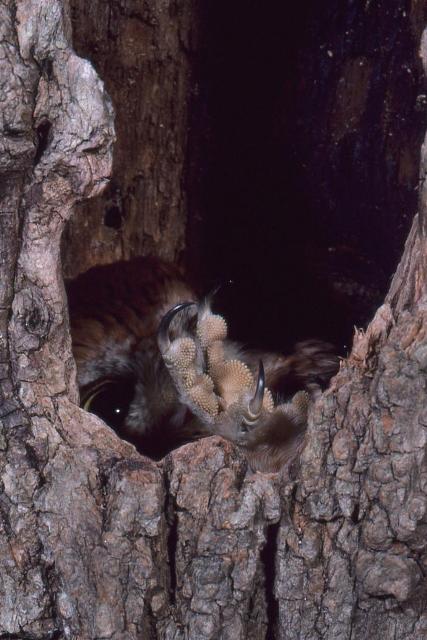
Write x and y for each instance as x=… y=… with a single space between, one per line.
x=143 y=53
x=98 y=542
x=352 y=555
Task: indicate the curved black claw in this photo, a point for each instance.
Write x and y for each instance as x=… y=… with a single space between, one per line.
x=163 y=330
x=255 y=405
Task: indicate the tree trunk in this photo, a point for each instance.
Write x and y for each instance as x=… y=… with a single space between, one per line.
x=97 y=541
x=143 y=51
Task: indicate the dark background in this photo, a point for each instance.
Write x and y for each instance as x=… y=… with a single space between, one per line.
x=304 y=176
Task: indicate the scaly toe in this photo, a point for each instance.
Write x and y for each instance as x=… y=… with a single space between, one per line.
x=211 y=328
x=181 y=354
x=268 y=402
x=232 y=378
x=203 y=396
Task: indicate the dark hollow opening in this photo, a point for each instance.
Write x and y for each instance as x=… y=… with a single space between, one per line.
x=305 y=127
x=307 y=136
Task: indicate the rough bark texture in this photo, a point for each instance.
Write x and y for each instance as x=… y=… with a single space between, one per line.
x=352 y=556
x=98 y=542
x=142 y=50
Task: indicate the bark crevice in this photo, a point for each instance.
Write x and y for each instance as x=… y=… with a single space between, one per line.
x=268 y=559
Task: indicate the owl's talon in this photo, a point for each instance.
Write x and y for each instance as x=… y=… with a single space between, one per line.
x=255 y=405
x=230 y=380
x=220 y=388
x=163 y=339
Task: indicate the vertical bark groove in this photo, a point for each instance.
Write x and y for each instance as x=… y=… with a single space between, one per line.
x=268 y=558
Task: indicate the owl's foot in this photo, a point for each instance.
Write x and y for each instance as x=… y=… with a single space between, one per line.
x=223 y=392
x=209 y=381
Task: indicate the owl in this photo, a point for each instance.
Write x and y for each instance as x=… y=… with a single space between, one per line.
x=155 y=363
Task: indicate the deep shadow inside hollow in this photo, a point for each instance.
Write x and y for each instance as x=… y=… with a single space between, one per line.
x=302 y=163
x=304 y=190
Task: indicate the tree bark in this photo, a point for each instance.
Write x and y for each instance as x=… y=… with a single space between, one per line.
x=97 y=541
x=143 y=52
x=352 y=556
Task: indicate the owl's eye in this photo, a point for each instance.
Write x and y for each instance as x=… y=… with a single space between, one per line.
x=110 y=400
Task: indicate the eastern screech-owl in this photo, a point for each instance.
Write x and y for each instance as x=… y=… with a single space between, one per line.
x=162 y=373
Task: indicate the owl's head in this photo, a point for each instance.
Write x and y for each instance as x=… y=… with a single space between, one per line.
x=114 y=314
